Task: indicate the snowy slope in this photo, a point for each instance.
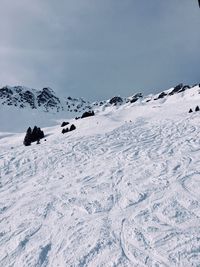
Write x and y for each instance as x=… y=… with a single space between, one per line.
x=121 y=190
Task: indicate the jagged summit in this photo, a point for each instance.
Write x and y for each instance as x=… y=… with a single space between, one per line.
x=47 y=100
x=22 y=97
x=44 y=100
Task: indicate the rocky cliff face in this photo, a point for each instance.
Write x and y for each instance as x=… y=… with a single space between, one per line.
x=23 y=97
x=44 y=100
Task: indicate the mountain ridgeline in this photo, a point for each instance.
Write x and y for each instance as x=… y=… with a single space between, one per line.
x=25 y=106
x=46 y=99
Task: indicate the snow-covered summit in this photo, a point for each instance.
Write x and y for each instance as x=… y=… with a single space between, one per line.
x=43 y=100
x=24 y=97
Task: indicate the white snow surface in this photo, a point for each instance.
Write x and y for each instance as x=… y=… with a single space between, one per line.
x=120 y=190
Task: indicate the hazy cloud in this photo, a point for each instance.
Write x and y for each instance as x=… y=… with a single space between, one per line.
x=97 y=49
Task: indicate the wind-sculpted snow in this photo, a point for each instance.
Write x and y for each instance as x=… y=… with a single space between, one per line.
x=127 y=197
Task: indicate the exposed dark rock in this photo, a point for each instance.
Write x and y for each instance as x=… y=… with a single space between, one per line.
x=116 y=100
x=29 y=98
x=162 y=95
x=72 y=127
x=190 y=111
x=185 y=87
x=48 y=99
x=87 y=114
x=133 y=100
x=197 y=108
x=5 y=91
x=135 y=97
x=176 y=89
x=65 y=130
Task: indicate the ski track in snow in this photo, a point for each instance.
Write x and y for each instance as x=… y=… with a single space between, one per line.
x=128 y=197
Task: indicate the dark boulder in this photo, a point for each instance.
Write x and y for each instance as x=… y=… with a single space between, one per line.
x=197 y=108
x=190 y=111
x=65 y=130
x=72 y=127
x=87 y=114
x=64 y=123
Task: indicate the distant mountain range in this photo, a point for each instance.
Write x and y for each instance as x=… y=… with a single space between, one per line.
x=43 y=100
x=46 y=99
x=21 y=106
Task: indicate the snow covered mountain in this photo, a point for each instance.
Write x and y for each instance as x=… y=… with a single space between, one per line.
x=121 y=190
x=44 y=100
x=21 y=106
x=30 y=106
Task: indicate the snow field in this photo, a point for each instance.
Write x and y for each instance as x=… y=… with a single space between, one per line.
x=121 y=190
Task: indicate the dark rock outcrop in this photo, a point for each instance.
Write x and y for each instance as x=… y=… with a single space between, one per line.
x=176 y=89
x=190 y=111
x=116 y=100
x=65 y=130
x=185 y=87
x=87 y=114
x=72 y=127
x=47 y=98
x=161 y=95
x=22 y=97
